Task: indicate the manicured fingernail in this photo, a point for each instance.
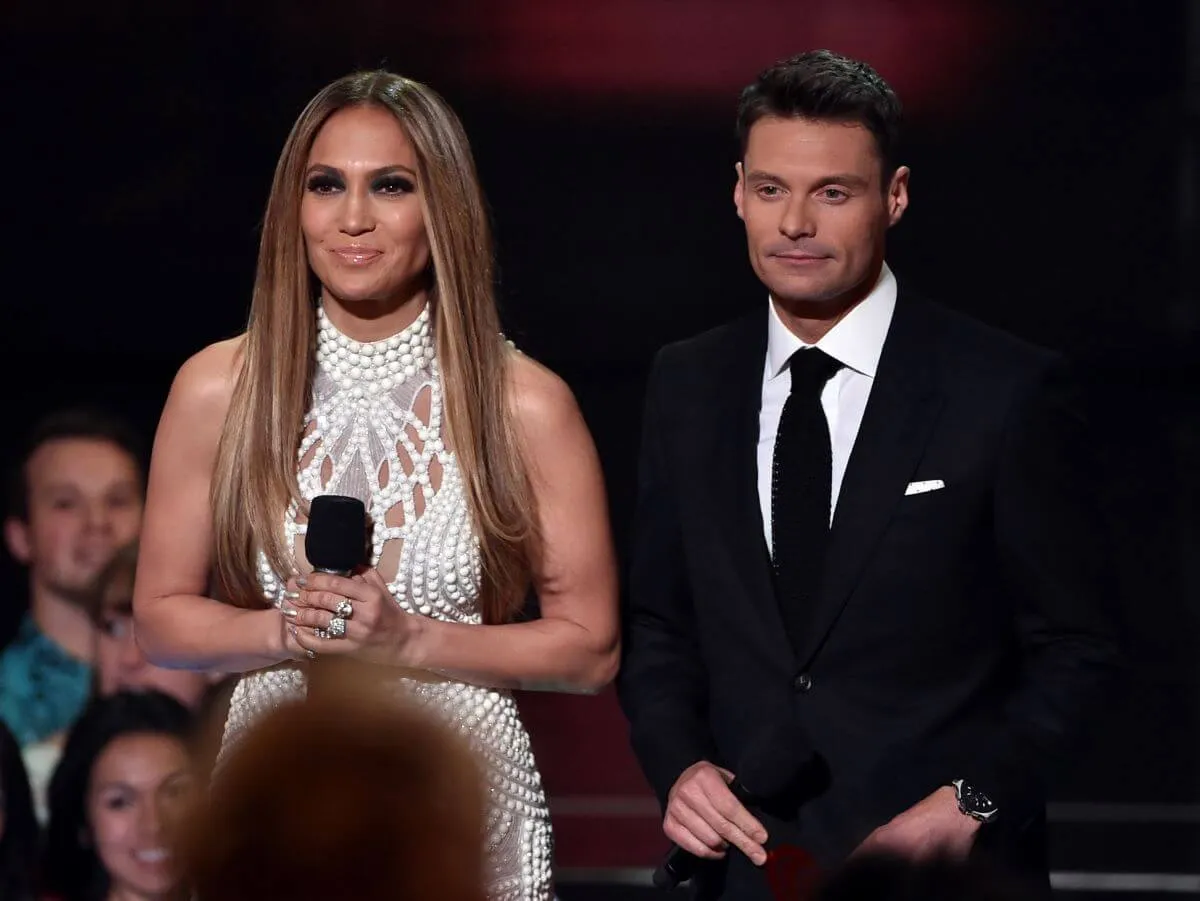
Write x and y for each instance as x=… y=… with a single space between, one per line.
x=289 y=611
x=301 y=581
x=292 y=631
x=291 y=595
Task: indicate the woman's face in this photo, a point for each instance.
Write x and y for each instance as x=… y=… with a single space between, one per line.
x=140 y=786
x=361 y=215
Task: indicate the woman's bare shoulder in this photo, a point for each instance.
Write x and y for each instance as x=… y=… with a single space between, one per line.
x=204 y=384
x=540 y=397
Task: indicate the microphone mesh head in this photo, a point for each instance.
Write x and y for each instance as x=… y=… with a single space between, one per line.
x=337 y=533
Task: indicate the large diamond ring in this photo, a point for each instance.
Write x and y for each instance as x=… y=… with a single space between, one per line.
x=344 y=609
x=337 y=627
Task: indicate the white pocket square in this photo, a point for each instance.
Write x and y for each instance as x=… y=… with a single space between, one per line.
x=922 y=487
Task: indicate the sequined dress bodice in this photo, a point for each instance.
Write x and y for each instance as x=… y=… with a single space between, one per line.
x=374 y=431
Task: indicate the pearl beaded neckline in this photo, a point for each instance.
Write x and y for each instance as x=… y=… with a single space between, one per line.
x=379 y=365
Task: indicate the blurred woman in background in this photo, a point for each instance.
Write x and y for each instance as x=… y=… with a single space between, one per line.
x=373 y=366
x=124 y=781
x=18 y=825
x=120 y=664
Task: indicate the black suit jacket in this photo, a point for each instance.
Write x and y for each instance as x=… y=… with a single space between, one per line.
x=960 y=633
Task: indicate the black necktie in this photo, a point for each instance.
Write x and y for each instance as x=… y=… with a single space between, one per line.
x=801 y=485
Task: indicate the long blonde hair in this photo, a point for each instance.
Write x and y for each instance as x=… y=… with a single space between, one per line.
x=255 y=477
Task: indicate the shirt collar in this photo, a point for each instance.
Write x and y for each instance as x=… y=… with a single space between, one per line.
x=856 y=341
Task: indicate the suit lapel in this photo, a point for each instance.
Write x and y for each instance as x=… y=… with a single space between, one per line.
x=737 y=399
x=901 y=411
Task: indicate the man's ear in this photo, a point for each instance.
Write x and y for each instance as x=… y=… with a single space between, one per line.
x=897 y=195
x=16 y=537
x=739 y=190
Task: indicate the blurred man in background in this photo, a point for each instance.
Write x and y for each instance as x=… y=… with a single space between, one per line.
x=75 y=498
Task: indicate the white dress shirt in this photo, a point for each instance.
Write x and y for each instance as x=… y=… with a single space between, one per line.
x=856 y=342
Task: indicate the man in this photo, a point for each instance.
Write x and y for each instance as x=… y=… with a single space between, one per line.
x=863 y=512
x=76 y=497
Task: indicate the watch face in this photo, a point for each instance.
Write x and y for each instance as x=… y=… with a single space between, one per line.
x=980 y=802
x=975 y=803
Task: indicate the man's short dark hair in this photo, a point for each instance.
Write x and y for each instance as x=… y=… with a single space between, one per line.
x=79 y=423
x=824 y=86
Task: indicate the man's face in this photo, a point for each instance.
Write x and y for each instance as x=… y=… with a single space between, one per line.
x=816 y=210
x=84 y=502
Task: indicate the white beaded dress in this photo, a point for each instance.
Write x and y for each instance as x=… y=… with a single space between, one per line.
x=374 y=431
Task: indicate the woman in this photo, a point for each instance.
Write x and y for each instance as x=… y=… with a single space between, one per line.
x=373 y=366
x=120 y=789
x=120 y=664
x=18 y=825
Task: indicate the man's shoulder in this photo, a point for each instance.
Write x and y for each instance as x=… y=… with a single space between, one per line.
x=15 y=651
x=712 y=351
x=964 y=344
x=42 y=688
x=16 y=661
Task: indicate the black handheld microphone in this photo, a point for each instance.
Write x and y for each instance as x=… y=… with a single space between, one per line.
x=336 y=541
x=771 y=765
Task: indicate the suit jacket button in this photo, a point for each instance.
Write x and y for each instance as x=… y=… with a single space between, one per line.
x=803 y=682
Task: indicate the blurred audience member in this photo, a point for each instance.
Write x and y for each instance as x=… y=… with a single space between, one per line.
x=345 y=796
x=76 y=496
x=123 y=783
x=18 y=826
x=120 y=663
x=893 y=878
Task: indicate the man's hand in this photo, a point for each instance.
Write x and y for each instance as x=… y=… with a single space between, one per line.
x=933 y=827
x=704 y=817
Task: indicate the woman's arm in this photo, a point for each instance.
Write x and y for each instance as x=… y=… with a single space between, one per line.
x=575 y=645
x=176 y=625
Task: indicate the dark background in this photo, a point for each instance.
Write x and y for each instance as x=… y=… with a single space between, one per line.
x=1054 y=193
